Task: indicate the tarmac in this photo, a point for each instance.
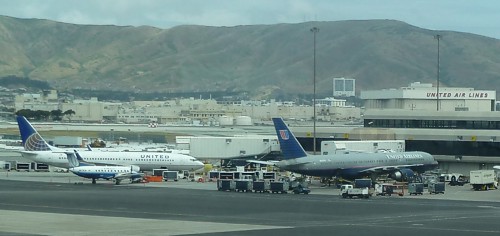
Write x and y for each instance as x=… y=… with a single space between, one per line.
x=49 y=203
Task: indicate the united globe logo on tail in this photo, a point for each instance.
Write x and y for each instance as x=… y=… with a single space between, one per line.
x=284 y=134
x=36 y=143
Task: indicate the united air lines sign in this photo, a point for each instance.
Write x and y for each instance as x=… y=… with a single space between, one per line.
x=462 y=95
x=472 y=95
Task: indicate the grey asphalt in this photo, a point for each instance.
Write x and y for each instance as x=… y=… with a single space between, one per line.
x=57 y=207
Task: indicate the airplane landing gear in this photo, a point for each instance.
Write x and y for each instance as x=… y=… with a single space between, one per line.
x=93 y=181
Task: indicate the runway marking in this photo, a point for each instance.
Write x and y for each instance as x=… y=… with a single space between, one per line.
x=69 y=224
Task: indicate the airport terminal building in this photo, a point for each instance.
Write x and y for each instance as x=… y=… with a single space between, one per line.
x=461 y=128
x=424 y=97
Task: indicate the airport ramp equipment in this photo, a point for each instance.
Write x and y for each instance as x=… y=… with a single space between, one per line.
x=436 y=188
x=262 y=186
x=363 y=183
x=415 y=188
x=279 y=187
x=244 y=185
x=384 y=189
x=226 y=185
x=21 y=166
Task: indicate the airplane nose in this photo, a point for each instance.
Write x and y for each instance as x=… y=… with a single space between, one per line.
x=200 y=164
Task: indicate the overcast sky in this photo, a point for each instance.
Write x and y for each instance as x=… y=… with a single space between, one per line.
x=478 y=17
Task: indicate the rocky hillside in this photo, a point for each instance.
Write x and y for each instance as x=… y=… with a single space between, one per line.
x=265 y=60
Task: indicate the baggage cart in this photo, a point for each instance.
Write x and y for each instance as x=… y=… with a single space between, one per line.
x=226 y=185
x=279 y=187
x=244 y=185
x=262 y=186
x=415 y=188
x=436 y=188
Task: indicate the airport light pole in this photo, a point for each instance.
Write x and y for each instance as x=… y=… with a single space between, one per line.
x=314 y=30
x=438 y=37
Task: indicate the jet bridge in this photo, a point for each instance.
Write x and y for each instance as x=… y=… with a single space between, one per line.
x=233 y=147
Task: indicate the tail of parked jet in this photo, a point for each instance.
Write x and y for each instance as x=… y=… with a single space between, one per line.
x=290 y=147
x=75 y=160
x=32 y=141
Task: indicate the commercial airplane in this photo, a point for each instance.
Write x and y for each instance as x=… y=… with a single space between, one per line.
x=91 y=171
x=38 y=150
x=398 y=165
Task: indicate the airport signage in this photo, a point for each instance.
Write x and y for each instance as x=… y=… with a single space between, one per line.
x=462 y=95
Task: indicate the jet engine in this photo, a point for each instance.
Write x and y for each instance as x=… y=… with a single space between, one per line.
x=402 y=175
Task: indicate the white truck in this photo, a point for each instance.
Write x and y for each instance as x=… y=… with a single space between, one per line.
x=348 y=190
x=483 y=179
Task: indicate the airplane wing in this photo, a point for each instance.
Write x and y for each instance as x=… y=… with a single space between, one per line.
x=129 y=175
x=271 y=163
x=388 y=168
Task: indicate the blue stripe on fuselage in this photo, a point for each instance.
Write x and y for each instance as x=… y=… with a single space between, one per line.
x=95 y=175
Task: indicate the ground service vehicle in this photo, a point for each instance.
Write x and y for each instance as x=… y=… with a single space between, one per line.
x=301 y=189
x=384 y=189
x=170 y=175
x=347 y=190
x=482 y=179
x=460 y=181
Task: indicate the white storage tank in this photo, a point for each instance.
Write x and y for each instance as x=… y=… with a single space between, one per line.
x=244 y=120
x=225 y=120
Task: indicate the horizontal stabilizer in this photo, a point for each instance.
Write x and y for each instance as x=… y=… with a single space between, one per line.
x=271 y=163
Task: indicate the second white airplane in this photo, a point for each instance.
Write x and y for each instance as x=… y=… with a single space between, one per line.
x=91 y=171
x=38 y=150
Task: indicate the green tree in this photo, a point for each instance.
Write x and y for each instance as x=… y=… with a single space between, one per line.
x=42 y=115
x=28 y=113
x=69 y=113
x=56 y=115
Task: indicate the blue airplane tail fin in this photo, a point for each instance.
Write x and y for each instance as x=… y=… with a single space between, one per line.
x=290 y=147
x=32 y=141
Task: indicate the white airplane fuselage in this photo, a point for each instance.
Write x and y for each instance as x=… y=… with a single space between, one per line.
x=146 y=161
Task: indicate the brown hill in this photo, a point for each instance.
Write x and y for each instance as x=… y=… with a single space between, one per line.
x=261 y=59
